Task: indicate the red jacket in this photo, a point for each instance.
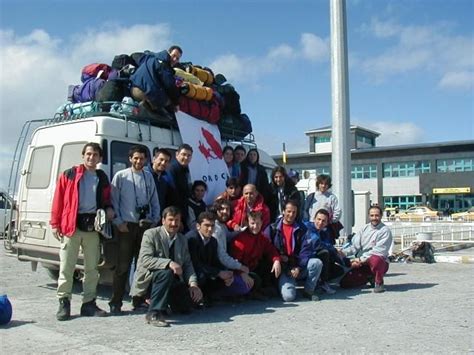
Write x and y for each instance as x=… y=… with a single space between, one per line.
x=240 y=213
x=249 y=249
x=66 y=198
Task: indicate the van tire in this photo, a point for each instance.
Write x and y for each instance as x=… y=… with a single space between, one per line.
x=53 y=273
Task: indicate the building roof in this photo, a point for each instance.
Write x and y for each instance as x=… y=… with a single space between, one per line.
x=465 y=145
x=328 y=129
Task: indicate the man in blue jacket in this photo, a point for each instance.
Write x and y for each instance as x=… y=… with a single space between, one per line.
x=297 y=254
x=153 y=83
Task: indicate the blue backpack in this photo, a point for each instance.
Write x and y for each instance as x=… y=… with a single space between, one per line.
x=5 y=310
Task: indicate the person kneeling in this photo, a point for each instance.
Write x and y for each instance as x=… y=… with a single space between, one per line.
x=253 y=249
x=164 y=264
x=214 y=280
x=369 y=250
x=297 y=254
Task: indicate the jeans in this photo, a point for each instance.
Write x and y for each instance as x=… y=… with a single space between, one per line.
x=287 y=284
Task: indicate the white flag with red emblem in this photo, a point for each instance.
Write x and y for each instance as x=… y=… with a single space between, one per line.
x=207 y=163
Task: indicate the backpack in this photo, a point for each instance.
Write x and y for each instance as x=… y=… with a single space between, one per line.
x=231 y=99
x=96 y=70
x=204 y=110
x=122 y=60
x=235 y=126
x=88 y=90
x=113 y=90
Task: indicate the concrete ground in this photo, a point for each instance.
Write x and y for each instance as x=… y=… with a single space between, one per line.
x=428 y=308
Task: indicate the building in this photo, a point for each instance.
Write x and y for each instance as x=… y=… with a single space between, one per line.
x=437 y=174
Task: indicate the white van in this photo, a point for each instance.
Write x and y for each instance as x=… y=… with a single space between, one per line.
x=55 y=146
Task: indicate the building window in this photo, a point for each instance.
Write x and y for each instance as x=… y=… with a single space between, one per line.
x=322 y=139
x=364 y=171
x=323 y=170
x=454 y=165
x=406 y=169
x=366 y=140
x=402 y=202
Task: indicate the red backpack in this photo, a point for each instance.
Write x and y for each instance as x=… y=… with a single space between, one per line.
x=94 y=69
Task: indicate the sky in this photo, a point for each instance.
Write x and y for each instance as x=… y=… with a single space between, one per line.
x=411 y=62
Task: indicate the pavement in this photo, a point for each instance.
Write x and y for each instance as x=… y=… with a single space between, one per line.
x=428 y=308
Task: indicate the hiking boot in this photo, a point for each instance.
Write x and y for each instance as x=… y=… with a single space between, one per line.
x=115 y=310
x=379 y=288
x=328 y=289
x=156 y=319
x=64 y=310
x=90 y=309
x=310 y=296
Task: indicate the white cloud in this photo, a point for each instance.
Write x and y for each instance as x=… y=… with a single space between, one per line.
x=37 y=68
x=396 y=133
x=251 y=69
x=314 y=48
x=457 y=80
x=420 y=48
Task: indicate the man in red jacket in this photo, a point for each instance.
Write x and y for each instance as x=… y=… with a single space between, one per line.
x=80 y=192
x=252 y=249
x=251 y=201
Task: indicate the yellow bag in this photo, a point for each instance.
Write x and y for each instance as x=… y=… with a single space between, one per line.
x=190 y=78
x=205 y=76
x=196 y=92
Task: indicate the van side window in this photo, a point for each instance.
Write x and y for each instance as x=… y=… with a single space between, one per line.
x=39 y=170
x=119 y=155
x=4 y=203
x=70 y=155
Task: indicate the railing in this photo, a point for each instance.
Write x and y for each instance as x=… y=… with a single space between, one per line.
x=465 y=236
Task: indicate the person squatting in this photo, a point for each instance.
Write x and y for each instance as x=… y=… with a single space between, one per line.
x=259 y=239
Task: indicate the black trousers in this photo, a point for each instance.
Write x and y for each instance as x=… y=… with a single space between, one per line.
x=128 y=247
x=168 y=289
x=330 y=269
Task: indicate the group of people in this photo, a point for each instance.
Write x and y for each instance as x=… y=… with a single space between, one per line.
x=258 y=239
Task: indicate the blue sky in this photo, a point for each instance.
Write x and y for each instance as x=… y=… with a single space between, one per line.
x=411 y=63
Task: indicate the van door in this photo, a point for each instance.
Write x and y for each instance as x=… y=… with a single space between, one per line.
x=35 y=196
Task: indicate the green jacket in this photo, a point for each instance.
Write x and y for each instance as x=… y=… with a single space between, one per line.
x=154 y=255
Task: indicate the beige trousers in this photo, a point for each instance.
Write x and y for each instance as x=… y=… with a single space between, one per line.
x=89 y=241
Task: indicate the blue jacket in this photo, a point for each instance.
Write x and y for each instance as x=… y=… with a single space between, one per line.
x=302 y=247
x=321 y=240
x=155 y=77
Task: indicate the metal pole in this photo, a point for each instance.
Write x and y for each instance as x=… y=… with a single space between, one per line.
x=341 y=168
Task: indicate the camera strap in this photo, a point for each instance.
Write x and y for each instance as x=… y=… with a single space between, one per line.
x=135 y=189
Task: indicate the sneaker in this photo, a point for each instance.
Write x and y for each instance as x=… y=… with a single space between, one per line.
x=379 y=288
x=310 y=296
x=115 y=310
x=64 y=310
x=90 y=309
x=156 y=319
x=328 y=289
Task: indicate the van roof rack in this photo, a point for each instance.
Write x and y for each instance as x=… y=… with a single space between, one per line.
x=132 y=111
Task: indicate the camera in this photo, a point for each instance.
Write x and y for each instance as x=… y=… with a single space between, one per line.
x=142 y=211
